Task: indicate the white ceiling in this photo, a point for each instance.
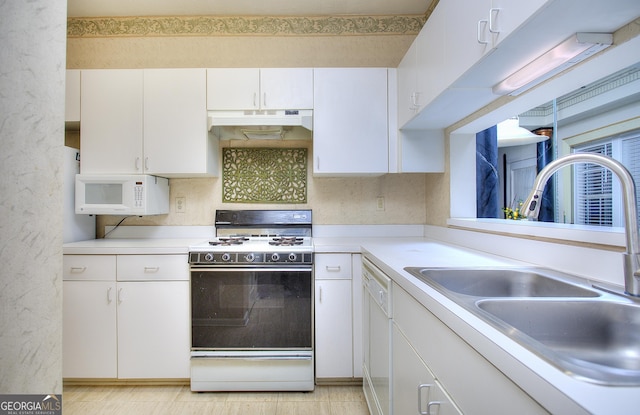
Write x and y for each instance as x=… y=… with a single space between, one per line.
x=97 y=8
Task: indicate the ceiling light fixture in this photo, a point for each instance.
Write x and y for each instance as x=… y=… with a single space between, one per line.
x=511 y=134
x=575 y=49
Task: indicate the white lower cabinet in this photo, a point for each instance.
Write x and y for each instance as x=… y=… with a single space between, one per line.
x=89 y=340
x=338 y=325
x=334 y=357
x=153 y=329
x=412 y=378
x=134 y=329
x=424 y=348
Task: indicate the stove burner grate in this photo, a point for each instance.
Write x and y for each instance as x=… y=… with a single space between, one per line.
x=286 y=241
x=233 y=240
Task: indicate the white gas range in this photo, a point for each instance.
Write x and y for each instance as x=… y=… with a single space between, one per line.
x=252 y=303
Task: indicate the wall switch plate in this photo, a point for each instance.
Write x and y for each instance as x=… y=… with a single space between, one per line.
x=181 y=204
x=380 y=203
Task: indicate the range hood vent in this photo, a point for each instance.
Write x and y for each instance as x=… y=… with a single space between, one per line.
x=262 y=125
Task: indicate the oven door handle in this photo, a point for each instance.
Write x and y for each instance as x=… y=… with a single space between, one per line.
x=263 y=357
x=249 y=268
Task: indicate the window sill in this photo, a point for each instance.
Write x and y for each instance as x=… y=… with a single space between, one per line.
x=614 y=238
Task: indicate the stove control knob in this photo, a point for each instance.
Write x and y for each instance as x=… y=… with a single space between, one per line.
x=208 y=257
x=292 y=257
x=275 y=257
x=250 y=257
x=226 y=257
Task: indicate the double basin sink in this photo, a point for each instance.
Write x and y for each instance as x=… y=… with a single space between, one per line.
x=584 y=331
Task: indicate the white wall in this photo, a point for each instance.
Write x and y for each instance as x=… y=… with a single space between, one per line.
x=33 y=37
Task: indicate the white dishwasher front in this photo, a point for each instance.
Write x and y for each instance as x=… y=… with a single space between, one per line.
x=376 y=330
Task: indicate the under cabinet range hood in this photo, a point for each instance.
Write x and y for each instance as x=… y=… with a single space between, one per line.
x=261 y=124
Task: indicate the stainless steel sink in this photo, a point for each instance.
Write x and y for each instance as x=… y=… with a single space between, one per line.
x=593 y=339
x=585 y=332
x=501 y=282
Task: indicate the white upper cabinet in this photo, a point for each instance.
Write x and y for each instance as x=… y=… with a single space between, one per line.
x=259 y=89
x=350 y=121
x=176 y=141
x=507 y=15
x=150 y=121
x=468 y=37
x=289 y=88
x=441 y=70
x=112 y=121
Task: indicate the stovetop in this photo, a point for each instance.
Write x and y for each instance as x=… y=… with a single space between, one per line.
x=257 y=237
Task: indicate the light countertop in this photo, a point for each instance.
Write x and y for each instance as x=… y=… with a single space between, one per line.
x=557 y=391
x=142 y=246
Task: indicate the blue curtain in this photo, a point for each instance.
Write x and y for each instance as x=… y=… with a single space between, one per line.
x=487 y=182
x=545 y=156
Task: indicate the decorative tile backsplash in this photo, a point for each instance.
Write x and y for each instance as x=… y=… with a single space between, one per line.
x=264 y=175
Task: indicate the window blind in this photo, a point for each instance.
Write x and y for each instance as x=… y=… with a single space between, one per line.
x=594 y=189
x=596 y=199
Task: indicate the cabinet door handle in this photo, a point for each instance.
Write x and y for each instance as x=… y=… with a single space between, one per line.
x=426 y=386
x=431 y=404
x=254 y=99
x=151 y=269
x=120 y=296
x=264 y=99
x=146 y=163
x=482 y=23
x=78 y=270
x=320 y=294
x=137 y=163
x=109 y=299
x=333 y=268
x=493 y=17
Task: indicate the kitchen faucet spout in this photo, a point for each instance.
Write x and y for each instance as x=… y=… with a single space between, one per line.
x=632 y=254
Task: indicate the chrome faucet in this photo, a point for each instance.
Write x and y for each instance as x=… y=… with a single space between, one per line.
x=632 y=255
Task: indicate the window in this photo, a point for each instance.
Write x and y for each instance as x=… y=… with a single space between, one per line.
x=597 y=197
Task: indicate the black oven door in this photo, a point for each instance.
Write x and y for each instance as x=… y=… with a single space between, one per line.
x=251 y=308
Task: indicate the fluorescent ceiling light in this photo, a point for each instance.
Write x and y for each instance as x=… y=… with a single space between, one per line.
x=568 y=53
x=511 y=134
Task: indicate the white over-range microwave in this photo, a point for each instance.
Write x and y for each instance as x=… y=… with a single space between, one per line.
x=139 y=194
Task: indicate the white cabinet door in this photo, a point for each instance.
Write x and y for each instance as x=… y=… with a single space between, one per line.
x=467 y=36
x=153 y=329
x=411 y=379
x=286 y=88
x=356 y=288
x=333 y=352
x=408 y=84
x=89 y=343
x=233 y=88
x=72 y=96
x=433 y=75
x=508 y=15
x=112 y=121
x=350 y=122
x=176 y=140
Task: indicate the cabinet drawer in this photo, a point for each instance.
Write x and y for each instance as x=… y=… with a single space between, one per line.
x=89 y=267
x=152 y=267
x=333 y=266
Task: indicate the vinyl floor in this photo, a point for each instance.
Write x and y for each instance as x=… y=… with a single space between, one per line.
x=170 y=400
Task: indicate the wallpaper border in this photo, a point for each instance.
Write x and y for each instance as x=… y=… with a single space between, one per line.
x=87 y=27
